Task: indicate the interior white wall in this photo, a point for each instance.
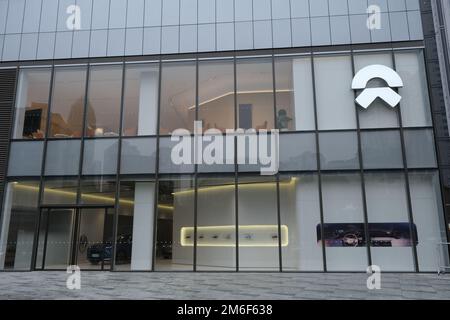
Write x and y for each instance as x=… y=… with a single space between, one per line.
x=148 y=103
x=142 y=248
x=303 y=95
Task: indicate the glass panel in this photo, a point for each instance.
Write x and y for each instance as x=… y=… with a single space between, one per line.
x=379 y=114
x=94 y=238
x=381 y=149
x=428 y=216
x=339 y=150
x=255 y=94
x=298 y=152
x=175 y=221
x=388 y=221
x=216 y=94
x=295 y=97
x=67 y=108
x=216 y=226
x=138 y=156
x=100 y=156
x=415 y=104
x=419 y=148
x=20 y=211
x=140 y=115
x=63 y=157
x=58 y=243
x=105 y=87
x=166 y=158
x=300 y=213
x=177 y=97
x=335 y=100
x=258 y=225
x=343 y=231
x=60 y=191
x=32 y=104
x=98 y=191
x=134 y=243
x=25 y=158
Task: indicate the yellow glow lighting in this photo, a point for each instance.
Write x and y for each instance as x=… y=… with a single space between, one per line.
x=83 y=195
x=251 y=185
x=232 y=230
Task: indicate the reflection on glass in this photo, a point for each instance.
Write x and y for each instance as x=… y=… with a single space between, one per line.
x=141 y=100
x=32 y=104
x=379 y=115
x=62 y=157
x=20 y=211
x=98 y=191
x=177 y=97
x=60 y=191
x=381 y=149
x=138 y=156
x=134 y=243
x=258 y=224
x=216 y=229
x=216 y=95
x=294 y=93
x=174 y=249
x=94 y=243
x=387 y=210
x=255 y=94
x=343 y=214
x=67 y=109
x=338 y=150
x=300 y=212
x=100 y=156
x=105 y=89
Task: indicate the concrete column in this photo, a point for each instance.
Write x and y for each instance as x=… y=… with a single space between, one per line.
x=148 y=103
x=5 y=224
x=142 y=250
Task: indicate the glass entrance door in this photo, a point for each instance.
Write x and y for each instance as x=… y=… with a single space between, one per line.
x=75 y=236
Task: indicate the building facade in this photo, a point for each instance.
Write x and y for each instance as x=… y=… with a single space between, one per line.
x=92 y=92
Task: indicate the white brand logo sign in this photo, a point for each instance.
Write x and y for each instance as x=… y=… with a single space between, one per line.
x=369 y=95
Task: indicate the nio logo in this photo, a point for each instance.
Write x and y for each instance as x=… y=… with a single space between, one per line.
x=369 y=95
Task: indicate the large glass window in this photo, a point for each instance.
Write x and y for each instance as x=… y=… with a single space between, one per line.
x=100 y=156
x=62 y=158
x=298 y=152
x=216 y=94
x=177 y=97
x=300 y=213
x=387 y=210
x=343 y=230
x=60 y=191
x=415 y=104
x=98 y=191
x=381 y=149
x=419 y=148
x=216 y=228
x=25 y=158
x=32 y=104
x=134 y=243
x=335 y=98
x=428 y=217
x=20 y=211
x=140 y=114
x=138 y=156
x=67 y=109
x=255 y=102
x=258 y=224
x=379 y=115
x=338 y=150
x=294 y=94
x=105 y=90
x=174 y=248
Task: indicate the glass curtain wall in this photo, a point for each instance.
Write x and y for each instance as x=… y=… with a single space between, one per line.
x=342 y=188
